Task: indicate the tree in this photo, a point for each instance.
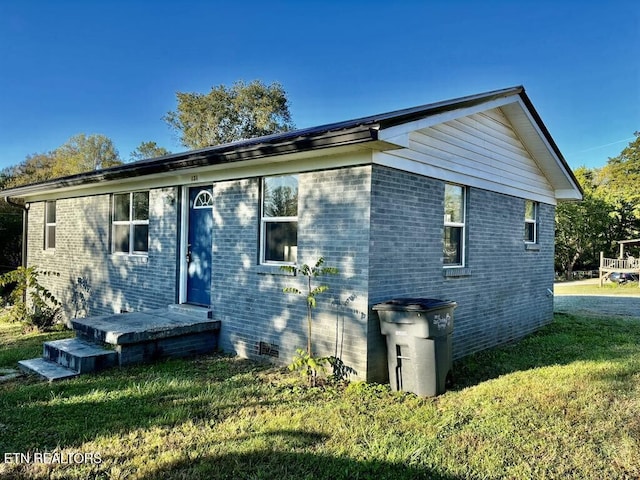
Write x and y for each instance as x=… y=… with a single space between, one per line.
x=620 y=184
x=610 y=211
x=148 y=150
x=307 y=361
x=10 y=236
x=283 y=201
x=581 y=232
x=34 y=168
x=582 y=229
x=230 y=114
x=82 y=153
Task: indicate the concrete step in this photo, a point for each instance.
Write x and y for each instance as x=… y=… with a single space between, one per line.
x=79 y=355
x=46 y=369
x=194 y=311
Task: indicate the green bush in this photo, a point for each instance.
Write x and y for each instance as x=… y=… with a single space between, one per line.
x=30 y=302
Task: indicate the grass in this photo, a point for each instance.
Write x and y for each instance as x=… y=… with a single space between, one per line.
x=561 y=403
x=629 y=289
x=15 y=345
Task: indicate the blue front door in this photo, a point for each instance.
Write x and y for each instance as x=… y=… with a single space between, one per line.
x=199 y=247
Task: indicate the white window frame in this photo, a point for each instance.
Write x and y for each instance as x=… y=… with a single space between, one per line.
x=531 y=221
x=48 y=225
x=203 y=200
x=264 y=220
x=131 y=222
x=461 y=225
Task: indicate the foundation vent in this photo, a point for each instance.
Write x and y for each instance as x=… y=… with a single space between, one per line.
x=269 y=349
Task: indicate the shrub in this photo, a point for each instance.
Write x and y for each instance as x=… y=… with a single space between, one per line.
x=31 y=303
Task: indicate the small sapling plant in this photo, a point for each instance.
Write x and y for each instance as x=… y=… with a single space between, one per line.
x=305 y=361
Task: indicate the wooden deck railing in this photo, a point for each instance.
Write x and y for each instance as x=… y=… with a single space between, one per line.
x=620 y=264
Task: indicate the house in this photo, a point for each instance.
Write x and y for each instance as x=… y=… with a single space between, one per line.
x=451 y=200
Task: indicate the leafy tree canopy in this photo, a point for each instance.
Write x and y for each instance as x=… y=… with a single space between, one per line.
x=609 y=212
x=621 y=177
x=148 y=150
x=81 y=153
x=229 y=114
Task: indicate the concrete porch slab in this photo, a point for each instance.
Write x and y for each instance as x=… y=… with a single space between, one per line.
x=139 y=327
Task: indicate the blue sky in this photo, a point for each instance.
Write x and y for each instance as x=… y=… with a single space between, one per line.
x=113 y=67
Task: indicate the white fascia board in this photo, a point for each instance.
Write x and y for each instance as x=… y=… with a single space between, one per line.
x=399 y=134
x=550 y=164
x=568 y=195
x=332 y=158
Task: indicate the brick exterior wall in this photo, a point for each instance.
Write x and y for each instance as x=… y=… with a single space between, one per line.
x=91 y=280
x=502 y=292
x=381 y=227
x=333 y=221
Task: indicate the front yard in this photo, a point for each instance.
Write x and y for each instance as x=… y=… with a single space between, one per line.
x=560 y=404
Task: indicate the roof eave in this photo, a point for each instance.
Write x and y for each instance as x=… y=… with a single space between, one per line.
x=230 y=153
x=556 y=151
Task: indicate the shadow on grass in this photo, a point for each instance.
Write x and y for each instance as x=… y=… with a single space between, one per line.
x=39 y=416
x=282 y=454
x=568 y=339
x=295 y=463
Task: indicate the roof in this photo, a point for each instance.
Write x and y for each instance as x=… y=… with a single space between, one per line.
x=350 y=132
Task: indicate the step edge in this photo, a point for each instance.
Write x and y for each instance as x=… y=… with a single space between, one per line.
x=33 y=370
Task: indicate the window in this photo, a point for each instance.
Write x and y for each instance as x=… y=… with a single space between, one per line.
x=50 y=225
x=530 y=221
x=279 y=219
x=454 y=212
x=204 y=199
x=130 y=225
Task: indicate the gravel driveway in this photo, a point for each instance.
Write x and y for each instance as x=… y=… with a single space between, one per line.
x=598 y=305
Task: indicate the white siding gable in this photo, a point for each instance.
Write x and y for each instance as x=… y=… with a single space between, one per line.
x=480 y=150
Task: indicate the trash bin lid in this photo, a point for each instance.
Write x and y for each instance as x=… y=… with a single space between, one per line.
x=414 y=304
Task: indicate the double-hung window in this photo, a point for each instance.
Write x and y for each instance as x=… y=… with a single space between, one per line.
x=130 y=224
x=454 y=225
x=530 y=221
x=279 y=220
x=50 y=225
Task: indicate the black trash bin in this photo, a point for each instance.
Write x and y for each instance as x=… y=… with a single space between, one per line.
x=418 y=333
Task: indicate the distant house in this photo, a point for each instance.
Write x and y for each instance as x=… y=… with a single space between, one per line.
x=452 y=200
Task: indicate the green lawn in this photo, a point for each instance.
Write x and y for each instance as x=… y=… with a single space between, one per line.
x=562 y=403
x=629 y=289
